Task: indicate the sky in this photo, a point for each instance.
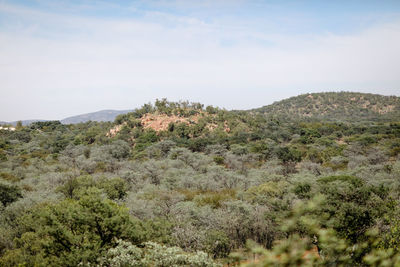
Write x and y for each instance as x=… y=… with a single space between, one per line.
x=63 y=58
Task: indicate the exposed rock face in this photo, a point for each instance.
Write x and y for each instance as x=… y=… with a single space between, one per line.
x=113 y=131
x=160 y=122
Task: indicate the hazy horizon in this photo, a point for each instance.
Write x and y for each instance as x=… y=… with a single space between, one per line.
x=65 y=58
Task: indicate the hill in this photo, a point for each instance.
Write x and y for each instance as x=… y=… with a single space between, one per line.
x=330 y=106
x=173 y=178
x=336 y=106
x=102 y=115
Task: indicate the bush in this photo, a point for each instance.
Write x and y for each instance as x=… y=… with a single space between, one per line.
x=9 y=193
x=217 y=244
x=153 y=254
x=115 y=188
x=72 y=232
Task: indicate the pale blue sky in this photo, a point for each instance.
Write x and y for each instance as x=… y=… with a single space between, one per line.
x=62 y=58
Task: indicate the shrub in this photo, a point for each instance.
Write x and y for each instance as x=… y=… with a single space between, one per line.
x=72 y=232
x=217 y=244
x=9 y=193
x=153 y=254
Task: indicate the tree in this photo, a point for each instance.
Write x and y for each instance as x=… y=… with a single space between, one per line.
x=217 y=244
x=72 y=232
x=318 y=245
x=9 y=193
x=19 y=125
x=289 y=157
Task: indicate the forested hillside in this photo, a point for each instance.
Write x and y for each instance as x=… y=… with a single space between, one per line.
x=343 y=106
x=180 y=184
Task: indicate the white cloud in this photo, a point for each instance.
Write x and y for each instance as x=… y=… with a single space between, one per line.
x=53 y=63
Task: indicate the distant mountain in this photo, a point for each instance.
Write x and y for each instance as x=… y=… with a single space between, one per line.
x=337 y=106
x=103 y=115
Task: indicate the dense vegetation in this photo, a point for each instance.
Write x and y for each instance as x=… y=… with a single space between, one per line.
x=343 y=106
x=211 y=187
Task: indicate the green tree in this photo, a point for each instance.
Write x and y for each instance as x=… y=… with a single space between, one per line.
x=72 y=232
x=9 y=193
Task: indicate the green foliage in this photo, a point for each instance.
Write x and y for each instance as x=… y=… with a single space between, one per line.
x=266 y=191
x=74 y=187
x=302 y=190
x=217 y=244
x=351 y=205
x=288 y=154
x=3 y=155
x=115 y=188
x=292 y=183
x=22 y=136
x=9 y=193
x=355 y=181
x=155 y=255
x=46 y=125
x=145 y=139
x=333 y=106
x=72 y=232
x=308 y=136
x=219 y=160
x=320 y=246
x=214 y=199
x=119 y=149
x=367 y=139
x=123 y=255
x=391 y=238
